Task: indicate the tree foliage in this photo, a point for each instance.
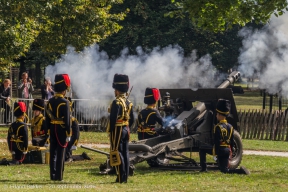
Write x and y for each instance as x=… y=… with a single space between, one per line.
x=18 y=28
x=52 y=25
x=222 y=14
x=78 y=23
x=147 y=26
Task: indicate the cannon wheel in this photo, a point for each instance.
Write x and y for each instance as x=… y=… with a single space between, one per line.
x=237 y=151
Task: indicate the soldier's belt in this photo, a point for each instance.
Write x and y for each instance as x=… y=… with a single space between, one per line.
x=16 y=140
x=146 y=130
x=121 y=123
x=39 y=133
x=57 y=122
x=223 y=144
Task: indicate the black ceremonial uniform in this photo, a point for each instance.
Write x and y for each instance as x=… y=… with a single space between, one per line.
x=58 y=119
x=121 y=117
x=119 y=133
x=17 y=138
x=224 y=140
x=148 y=117
x=146 y=121
x=74 y=138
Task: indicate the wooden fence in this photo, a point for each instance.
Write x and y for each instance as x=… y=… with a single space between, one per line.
x=262 y=124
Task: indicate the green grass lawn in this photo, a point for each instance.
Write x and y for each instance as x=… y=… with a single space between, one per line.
x=267 y=173
x=102 y=138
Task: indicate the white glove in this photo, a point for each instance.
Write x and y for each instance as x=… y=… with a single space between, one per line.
x=68 y=139
x=24 y=152
x=46 y=145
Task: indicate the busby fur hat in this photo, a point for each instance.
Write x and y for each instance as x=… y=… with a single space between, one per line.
x=62 y=82
x=152 y=95
x=19 y=109
x=223 y=107
x=38 y=104
x=121 y=83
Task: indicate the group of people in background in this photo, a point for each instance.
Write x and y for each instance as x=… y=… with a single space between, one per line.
x=25 y=91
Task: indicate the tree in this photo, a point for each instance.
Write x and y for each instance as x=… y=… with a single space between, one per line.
x=53 y=25
x=18 y=28
x=78 y=23
x=146 y=26
x=50 y=26
x=218 y=15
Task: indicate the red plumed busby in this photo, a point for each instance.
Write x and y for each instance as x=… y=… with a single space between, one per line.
x=38 y=104
x=19 y=109
x=62 y=82
x=223 y=107
x=121 y=82
x=152 y=95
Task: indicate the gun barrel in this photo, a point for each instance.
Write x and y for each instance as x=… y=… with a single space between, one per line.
x=234 y=76
x=95 y=150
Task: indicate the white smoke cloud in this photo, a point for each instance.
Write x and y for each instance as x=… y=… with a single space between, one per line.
x=92 y=73
x=264 y=55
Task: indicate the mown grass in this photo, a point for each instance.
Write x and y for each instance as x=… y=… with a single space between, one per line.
x=248 y=100
x=267 y=174
x=102 y=138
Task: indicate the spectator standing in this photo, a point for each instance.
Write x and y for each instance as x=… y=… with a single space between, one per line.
x=47 y=91
x=25 y=89
x=5 y=99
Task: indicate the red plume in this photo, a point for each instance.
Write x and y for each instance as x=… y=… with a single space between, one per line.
x=156 y=94
x=66 y=79
x=22 y=106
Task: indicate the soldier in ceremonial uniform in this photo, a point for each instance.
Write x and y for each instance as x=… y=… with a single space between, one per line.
x=58 y=120
x=17 y=138
x=121 y=117
x=149 y=116
x=223 y=141
x=39 y=131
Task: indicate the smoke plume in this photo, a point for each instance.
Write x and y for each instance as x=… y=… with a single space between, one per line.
x=264 y=55
x=92 y=72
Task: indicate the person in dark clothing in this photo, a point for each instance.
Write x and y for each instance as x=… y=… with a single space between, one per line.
x=47 y=89
x=121 y=118
x=39 y=130
x=5 y=99
x=17 y=138
x=149 y=116
x=223 y=141
x=58 y=120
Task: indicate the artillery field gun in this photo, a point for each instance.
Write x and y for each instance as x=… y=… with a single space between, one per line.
x=189 y=129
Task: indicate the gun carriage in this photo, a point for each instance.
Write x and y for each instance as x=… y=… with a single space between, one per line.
x=187 y=129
